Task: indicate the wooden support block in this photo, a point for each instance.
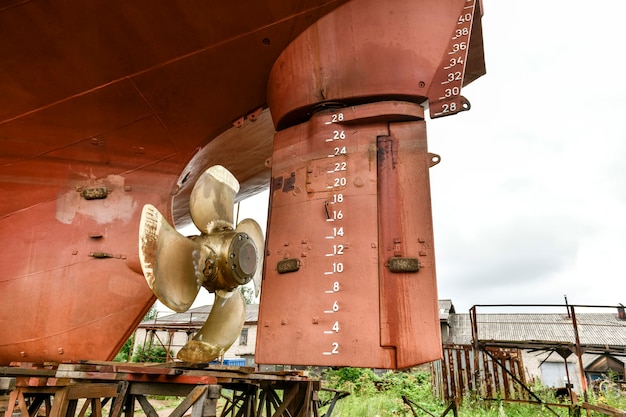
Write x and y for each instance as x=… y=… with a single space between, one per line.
x=7 y=384
x=58 y=382
x=84 y=409
x=34 y=372
x=145 y=388
x=199 y=393
x=37 y=381
x=118 y=404
x=230 y=368
x=22 y=364
x=181 y=379
x=96 y=407
x=106 y=376
x=4 y=402
x=144 y=369
x=92 y=390
x=146 y=406
x=77 y=367
x=202 y=406
x=16 y=397
x=60 y=403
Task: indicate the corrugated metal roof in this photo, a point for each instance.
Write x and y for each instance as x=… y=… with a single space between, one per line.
x=595 y=329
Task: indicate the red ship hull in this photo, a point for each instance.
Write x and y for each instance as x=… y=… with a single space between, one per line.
x=124 y=98
x=107 y=106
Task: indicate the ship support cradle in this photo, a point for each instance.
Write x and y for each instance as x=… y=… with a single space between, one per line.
x=118 y=389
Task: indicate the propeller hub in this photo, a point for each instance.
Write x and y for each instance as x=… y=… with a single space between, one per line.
x=242 y=258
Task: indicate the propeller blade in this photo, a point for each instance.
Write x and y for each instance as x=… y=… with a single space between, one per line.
x=213 y=198
x=169 y=261
x=222 y=328
x=253 y=230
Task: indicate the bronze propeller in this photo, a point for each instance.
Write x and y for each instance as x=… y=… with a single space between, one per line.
x=220 y=259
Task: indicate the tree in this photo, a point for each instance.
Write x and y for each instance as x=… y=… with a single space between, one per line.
x=126 y=352
x=248 y=294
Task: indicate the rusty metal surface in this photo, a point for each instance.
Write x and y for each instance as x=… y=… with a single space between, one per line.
x=91 y=384
x=331 y=209
x=350 y=186
x=129 y=98
x=590 y=327
x=463 y=371
x=561 y=333
x=117 y=95
x=362 y=53
x=409 y=300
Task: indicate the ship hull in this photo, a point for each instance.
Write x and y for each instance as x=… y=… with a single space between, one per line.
x=105 y=107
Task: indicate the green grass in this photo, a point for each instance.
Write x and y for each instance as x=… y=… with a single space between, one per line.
x=382 y=395
x=373 y=395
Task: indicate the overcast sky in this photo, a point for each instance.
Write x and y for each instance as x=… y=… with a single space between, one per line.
x=530 y=197
x=529 y=201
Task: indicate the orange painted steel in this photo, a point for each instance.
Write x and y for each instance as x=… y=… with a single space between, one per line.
x=350 y=202
x=370 y=50
x=350 y=269
x=136 y=98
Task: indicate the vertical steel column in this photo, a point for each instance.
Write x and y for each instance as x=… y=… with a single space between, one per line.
x=350 y=273
x=583 y=380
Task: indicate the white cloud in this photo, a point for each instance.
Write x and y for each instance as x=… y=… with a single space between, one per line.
x=530 y=197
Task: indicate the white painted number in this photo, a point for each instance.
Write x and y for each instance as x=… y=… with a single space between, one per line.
x=447 y=108
x=340 y=182
x=467 y=17
x=454 y=91
x=455 y=76
x=462 y=32
x=461 y=46
x=337 y=117
x=341 y=166
x=455 y=61
x=341 y=169
x=337 y=135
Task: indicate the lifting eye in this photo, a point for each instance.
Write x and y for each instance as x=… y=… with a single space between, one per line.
x=465 y=104
x=434 y=159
